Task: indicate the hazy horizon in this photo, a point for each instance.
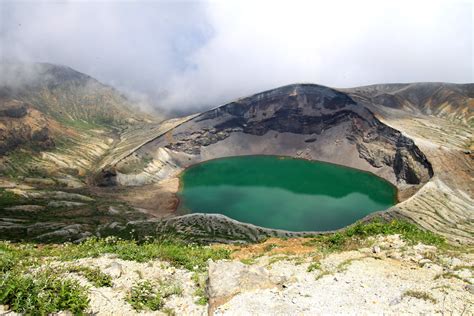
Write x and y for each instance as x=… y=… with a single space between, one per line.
x=191 y=55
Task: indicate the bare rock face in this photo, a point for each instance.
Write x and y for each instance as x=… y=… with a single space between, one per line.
x=305 y=121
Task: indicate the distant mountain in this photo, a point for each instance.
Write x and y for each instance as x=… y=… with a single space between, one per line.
x=71 y=116
x=66 y=95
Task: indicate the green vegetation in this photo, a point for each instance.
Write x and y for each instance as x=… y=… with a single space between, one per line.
x=409 y=232
x=248 y=261
x=26 y=288
x=314 y=266
x=420 y=295
x=270 y=247
x=200 y=282
x=451 y=275
x=45 y=291
x=177 y=253
x=360 y=231
x=8 y=198
x=93 y=275
x=145 y=295
x=41 y=293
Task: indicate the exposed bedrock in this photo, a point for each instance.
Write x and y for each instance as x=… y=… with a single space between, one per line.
x=305 y=121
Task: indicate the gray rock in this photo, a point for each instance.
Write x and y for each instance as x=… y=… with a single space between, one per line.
x=228 y=278
x=376 y=249
x=424 y=261
x=25 y=208
x=67 y=204
x=115 y=270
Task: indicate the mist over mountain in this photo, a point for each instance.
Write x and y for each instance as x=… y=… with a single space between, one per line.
x=183 y=57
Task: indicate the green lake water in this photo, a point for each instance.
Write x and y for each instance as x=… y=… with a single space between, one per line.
x=283 y=193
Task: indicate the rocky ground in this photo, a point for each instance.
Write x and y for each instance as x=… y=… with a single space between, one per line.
x=291 y=277
x=387 y=278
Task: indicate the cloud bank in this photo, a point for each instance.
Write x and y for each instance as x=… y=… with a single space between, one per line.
x=185 y=56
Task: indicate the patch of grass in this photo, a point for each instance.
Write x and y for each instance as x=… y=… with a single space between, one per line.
x=248 y=261
x=314 y=266
x=93 y=275
x=22 y=292
x=200 y=282
x=358 y=232
x=420 y=295
x=321 y=274
x=16 y=256
x=269 y=247
x=41 y=293
x=169 y=311
x=346 y=263
x=8 y=198
x=442 y=288
x=146 y=295
x=462 y=267
x=179 y=254
x=450 y=275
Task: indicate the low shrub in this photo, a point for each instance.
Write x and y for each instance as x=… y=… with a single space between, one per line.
x=41 y=293
x=146 y=295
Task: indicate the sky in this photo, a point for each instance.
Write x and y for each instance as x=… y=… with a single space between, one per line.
x=181 y=56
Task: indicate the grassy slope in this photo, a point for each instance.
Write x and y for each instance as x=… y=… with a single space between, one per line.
x=25 y=287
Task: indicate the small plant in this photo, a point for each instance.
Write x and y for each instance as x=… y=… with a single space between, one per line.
x=270 y=247
x=169 y=311
x=146 y=295
x=143 y=295
x=93 y=275
x=8 y=198
x=450 y=275
x=321 y=274
x=200 y=282
x=314 y=266
x=248 y=261
x=420 y=295
x=41 y=293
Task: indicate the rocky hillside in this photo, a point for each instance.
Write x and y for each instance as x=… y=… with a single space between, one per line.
x=71 y=174
x=68 y=117
x=66 y=94
x=307 y=121
x=451 y=101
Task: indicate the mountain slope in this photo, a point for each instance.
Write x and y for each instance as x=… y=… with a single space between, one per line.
x=452 y=101
x=307 y=121
x=99 y=168
x=421 y=145
x=58 y=120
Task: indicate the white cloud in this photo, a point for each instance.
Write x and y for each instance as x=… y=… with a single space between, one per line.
x=261 y=45
x=199 y=54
